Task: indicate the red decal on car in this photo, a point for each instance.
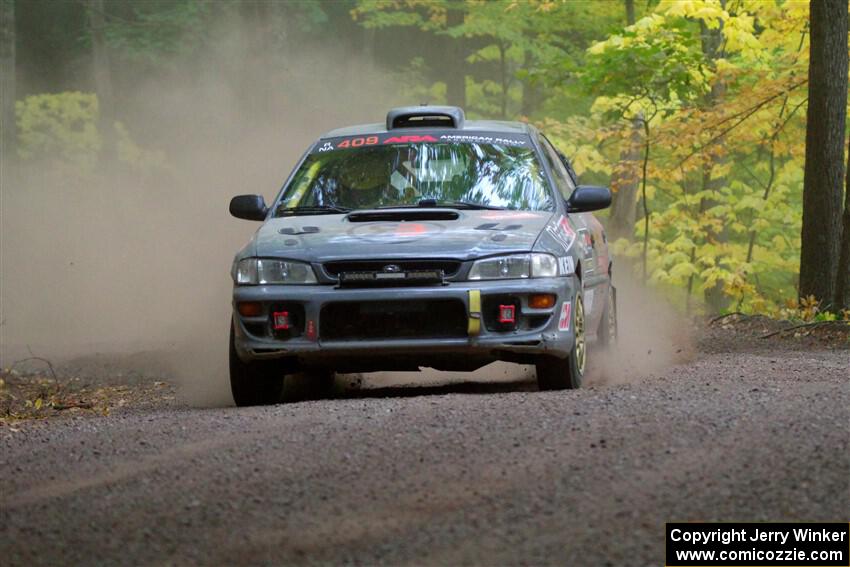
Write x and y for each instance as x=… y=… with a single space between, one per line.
x=564 y=321
x=357 y=142
x=410 y=228
x=565 y=226
x=409 y=139
x=311 y=330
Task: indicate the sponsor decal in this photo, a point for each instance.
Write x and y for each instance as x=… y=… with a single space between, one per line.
x=408 y=228
x=366 y=140
x=498 y=140
x=564 y=321
x=589 y=264
x=566 y=266
x=565 y=226
x=311 y=330
x=357 y=142
x=562 y=232
x=409 y=139
x=395 y=233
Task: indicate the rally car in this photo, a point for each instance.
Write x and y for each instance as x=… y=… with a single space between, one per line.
x=427 y=241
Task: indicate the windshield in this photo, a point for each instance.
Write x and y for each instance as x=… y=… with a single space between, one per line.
x=342 y=177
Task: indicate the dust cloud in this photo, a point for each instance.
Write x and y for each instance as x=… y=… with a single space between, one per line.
x=120 y=261
x=652 y=334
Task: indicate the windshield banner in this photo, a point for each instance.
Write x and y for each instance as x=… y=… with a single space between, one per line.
x=425 y=137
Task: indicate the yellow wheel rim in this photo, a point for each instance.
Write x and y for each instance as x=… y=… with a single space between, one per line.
x=581 y=343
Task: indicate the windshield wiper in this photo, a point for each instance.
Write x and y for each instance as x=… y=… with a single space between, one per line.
x=429 y=203
x=312 y=210
x=468 y=205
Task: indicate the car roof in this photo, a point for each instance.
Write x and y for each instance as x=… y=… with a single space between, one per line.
x=494 y=126
x=460 y=124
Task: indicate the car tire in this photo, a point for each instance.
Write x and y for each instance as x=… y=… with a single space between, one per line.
x=608 y=323
x=566 y=373
x=255 y=383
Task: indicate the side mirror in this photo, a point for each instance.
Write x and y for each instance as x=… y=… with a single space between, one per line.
x=588 y=198
x=249 y=207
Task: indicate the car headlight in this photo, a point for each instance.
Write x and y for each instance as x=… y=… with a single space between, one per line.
x=515 y=266
x=252 y=271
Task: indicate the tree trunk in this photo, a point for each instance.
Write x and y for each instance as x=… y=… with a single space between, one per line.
x=102 y=76
x=842 y=282
x=646 y=146
x=503 y=77
x=715 y=298
x=532 y=94
x=7 y=81
x=455 y=63
x=824 y=171
x=624 y=180
x=630 y=12
x=624 y=184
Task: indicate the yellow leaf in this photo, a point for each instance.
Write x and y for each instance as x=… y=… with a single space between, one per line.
x=37 y=404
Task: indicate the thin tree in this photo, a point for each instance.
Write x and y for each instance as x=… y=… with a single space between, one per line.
x=824 y=171
x=712 y=41
x=842 y=284
x=7 y=80
x=624 y=180
x=455 y=59
x=102 y=74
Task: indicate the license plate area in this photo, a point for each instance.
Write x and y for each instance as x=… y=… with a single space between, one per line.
x=368 y=320
x=390 y=308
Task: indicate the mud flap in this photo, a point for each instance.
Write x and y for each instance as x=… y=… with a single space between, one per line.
x=474 y=327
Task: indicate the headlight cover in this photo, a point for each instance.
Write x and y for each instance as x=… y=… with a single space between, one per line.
x=515 y=266
x=254 y=271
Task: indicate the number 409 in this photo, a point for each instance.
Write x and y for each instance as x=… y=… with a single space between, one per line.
x=357 y=142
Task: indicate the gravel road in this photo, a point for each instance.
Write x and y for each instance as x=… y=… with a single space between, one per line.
x=446 y=475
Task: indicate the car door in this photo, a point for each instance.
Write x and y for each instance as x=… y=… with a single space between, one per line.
x=593 y=250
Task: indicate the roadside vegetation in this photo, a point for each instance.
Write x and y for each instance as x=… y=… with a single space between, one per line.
x=34 y=388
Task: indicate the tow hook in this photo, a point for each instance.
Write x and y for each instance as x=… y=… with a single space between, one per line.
x=474 y=327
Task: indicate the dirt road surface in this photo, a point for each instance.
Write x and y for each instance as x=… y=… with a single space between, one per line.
x=481 y=474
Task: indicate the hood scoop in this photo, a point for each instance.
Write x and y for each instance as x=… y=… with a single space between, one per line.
x=400 y=215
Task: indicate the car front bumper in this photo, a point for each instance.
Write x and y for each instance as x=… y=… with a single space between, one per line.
x=255 y=340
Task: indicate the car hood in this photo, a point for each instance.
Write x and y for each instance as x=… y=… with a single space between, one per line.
x=471 y=234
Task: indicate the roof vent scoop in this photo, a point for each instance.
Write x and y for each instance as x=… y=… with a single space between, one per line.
x=425 y=116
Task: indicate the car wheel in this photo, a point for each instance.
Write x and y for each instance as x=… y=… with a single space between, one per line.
x=608 y=324
x=566 y=373
x=255 y=383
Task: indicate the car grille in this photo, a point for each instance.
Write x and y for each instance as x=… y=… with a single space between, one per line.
x=335 y=268
x=369 y=320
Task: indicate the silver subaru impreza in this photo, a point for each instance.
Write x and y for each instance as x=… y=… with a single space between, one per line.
x=427 y=241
